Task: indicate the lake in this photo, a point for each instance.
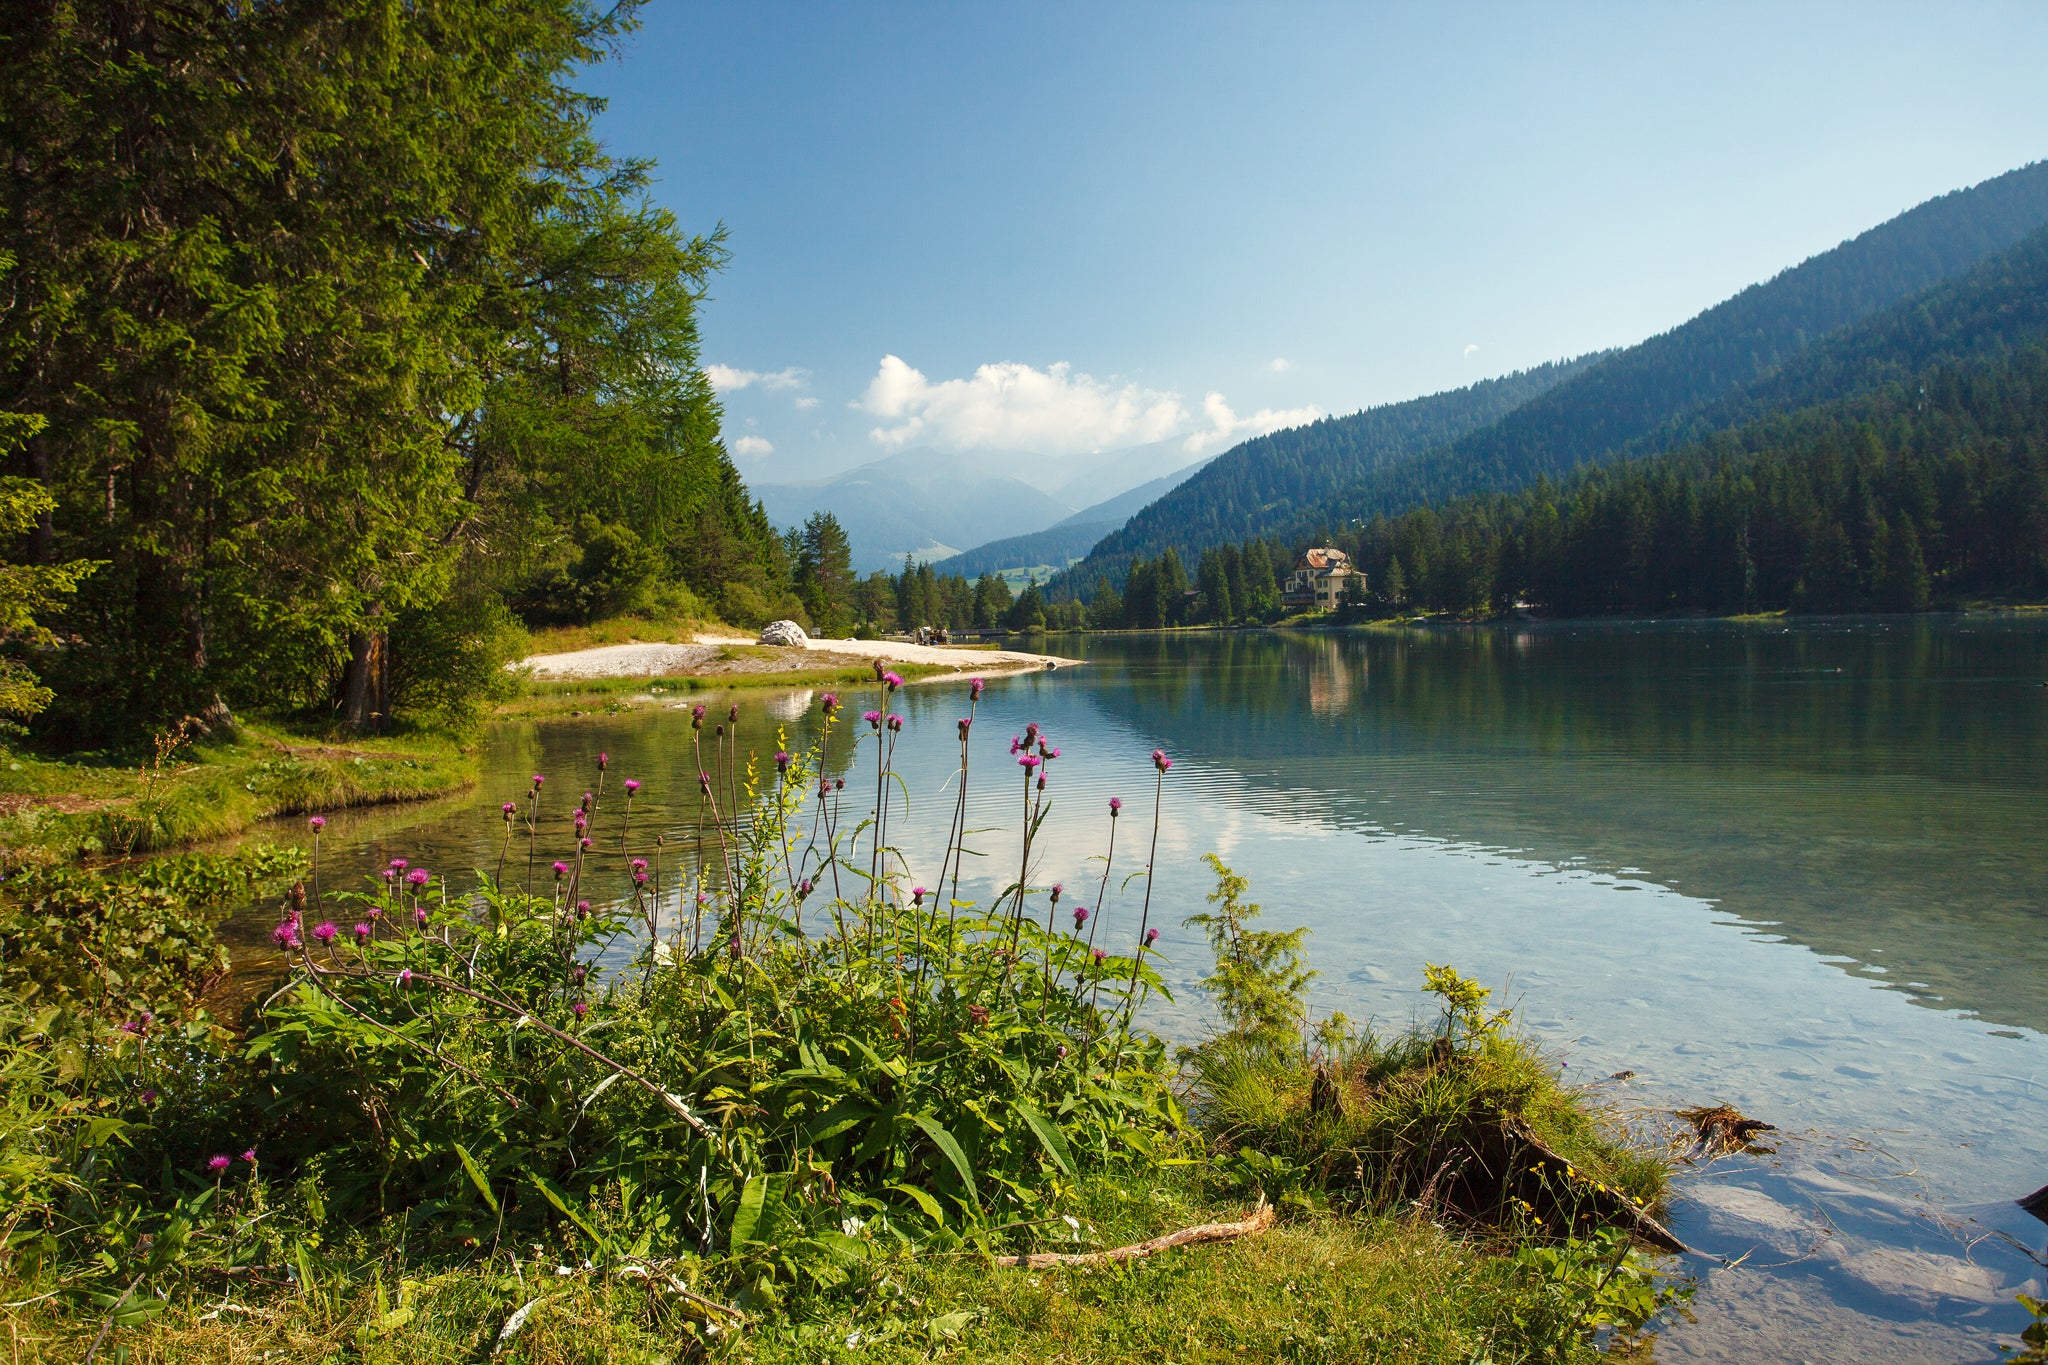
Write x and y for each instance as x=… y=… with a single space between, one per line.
x=1800 y=868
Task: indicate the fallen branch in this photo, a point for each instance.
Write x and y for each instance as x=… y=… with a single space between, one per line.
x=1261 y=1218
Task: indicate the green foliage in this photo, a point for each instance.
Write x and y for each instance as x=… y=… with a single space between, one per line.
x=122 y=943
x=1260 y=983
x=1464 y=1003
x=1598 y=1281
x=28 y=592
x=333 y=318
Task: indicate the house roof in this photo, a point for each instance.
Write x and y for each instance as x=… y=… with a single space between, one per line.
x=1325 y=557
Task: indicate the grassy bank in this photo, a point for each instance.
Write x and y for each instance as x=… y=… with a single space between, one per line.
x=191 y=792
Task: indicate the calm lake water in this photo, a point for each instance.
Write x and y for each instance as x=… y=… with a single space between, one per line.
x=1797 y=868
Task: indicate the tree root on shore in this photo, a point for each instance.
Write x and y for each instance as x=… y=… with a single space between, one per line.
x=1259 y=1220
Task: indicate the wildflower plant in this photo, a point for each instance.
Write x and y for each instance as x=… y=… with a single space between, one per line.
x=782 y=1053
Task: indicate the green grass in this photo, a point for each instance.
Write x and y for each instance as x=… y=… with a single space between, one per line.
x=1318 y=1287
x=54 y=809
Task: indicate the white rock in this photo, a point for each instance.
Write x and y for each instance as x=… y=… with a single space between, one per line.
x=784 y=633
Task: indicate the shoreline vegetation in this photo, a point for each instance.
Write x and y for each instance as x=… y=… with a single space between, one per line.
x=778 y=1104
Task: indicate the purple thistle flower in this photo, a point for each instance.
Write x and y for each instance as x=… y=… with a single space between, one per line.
x=537 y=780
x=735 y=947
x=1062 y=1054
x=325 y=931
x=561 y=871
x=390 y=874
x=917 y=895
x=579 y=1009
x=803 y=889
x=974 y=689
x=1057 y=892
x=587 y=800
x=1053 y=752
x=1080 y=915
x=399 y=864
x=419 y=916
x=892 y=681
x=632 y=785
x=1098 y=957
x=149 y=1097
x=830 y=702
x=219 y=1163
x=582 y=909
x=578 y=973
x=405 y=978
x=1151 y=937
x=582 y=822
x=375 y=912
x=896 y=724
x=1116 y=803
x=362 y=932
x=510 y=811
x=1029 y=761
x=1160 y=760
x=782 y=760
x=1041 y=781
x=697 y=717
x=604 y=760
x=131 y=1026
x=1015 y=744
x=872 y=717
x=419 y=876
x=250 y=1156
x=317 y=823
x=285 y=935
x=640 y=878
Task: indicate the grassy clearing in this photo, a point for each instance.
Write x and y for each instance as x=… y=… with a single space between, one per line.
x=1319 y=1287
x=56 y=809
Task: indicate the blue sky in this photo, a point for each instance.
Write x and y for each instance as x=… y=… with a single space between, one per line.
x=1086 y=227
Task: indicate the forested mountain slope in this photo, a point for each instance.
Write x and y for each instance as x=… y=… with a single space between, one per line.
x=1707 y=372
x=1266 y=482
x=1930 y=488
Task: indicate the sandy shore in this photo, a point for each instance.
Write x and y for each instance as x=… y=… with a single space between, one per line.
x=708 y=657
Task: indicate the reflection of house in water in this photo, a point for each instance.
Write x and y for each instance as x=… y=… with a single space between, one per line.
x=1321 y=579
x=1329 y=678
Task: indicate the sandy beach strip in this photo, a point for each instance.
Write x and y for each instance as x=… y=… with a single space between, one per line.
x=706 y=657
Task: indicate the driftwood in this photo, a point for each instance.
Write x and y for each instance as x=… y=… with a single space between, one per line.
x=1721 y=1128
x=1261 y=1218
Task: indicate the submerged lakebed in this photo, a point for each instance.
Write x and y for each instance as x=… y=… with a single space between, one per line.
x=1796 y=867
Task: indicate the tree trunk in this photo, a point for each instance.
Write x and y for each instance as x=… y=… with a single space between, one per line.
x=365 y=686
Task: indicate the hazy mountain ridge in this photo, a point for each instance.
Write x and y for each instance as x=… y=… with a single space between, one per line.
x=1064 y=540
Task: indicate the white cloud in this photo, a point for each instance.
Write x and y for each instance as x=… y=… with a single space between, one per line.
x=1279 y=364
x=1471 y=349
x=1011 y=406
x=1226 y=428
x=753 y=445
x=805 y=404
x=726 y=379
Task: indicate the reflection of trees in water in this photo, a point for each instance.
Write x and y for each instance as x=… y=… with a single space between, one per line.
x=1869 y=788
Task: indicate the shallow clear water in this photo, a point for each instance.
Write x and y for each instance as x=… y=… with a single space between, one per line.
x=1800 y=869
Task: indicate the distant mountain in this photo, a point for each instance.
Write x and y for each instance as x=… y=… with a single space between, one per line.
x=1706 y=373
x=928 y=503
x=1064 y=540
x=921 y=502
x=1263 y=484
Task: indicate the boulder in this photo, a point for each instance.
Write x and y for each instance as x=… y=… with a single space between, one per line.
x=784 y=633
